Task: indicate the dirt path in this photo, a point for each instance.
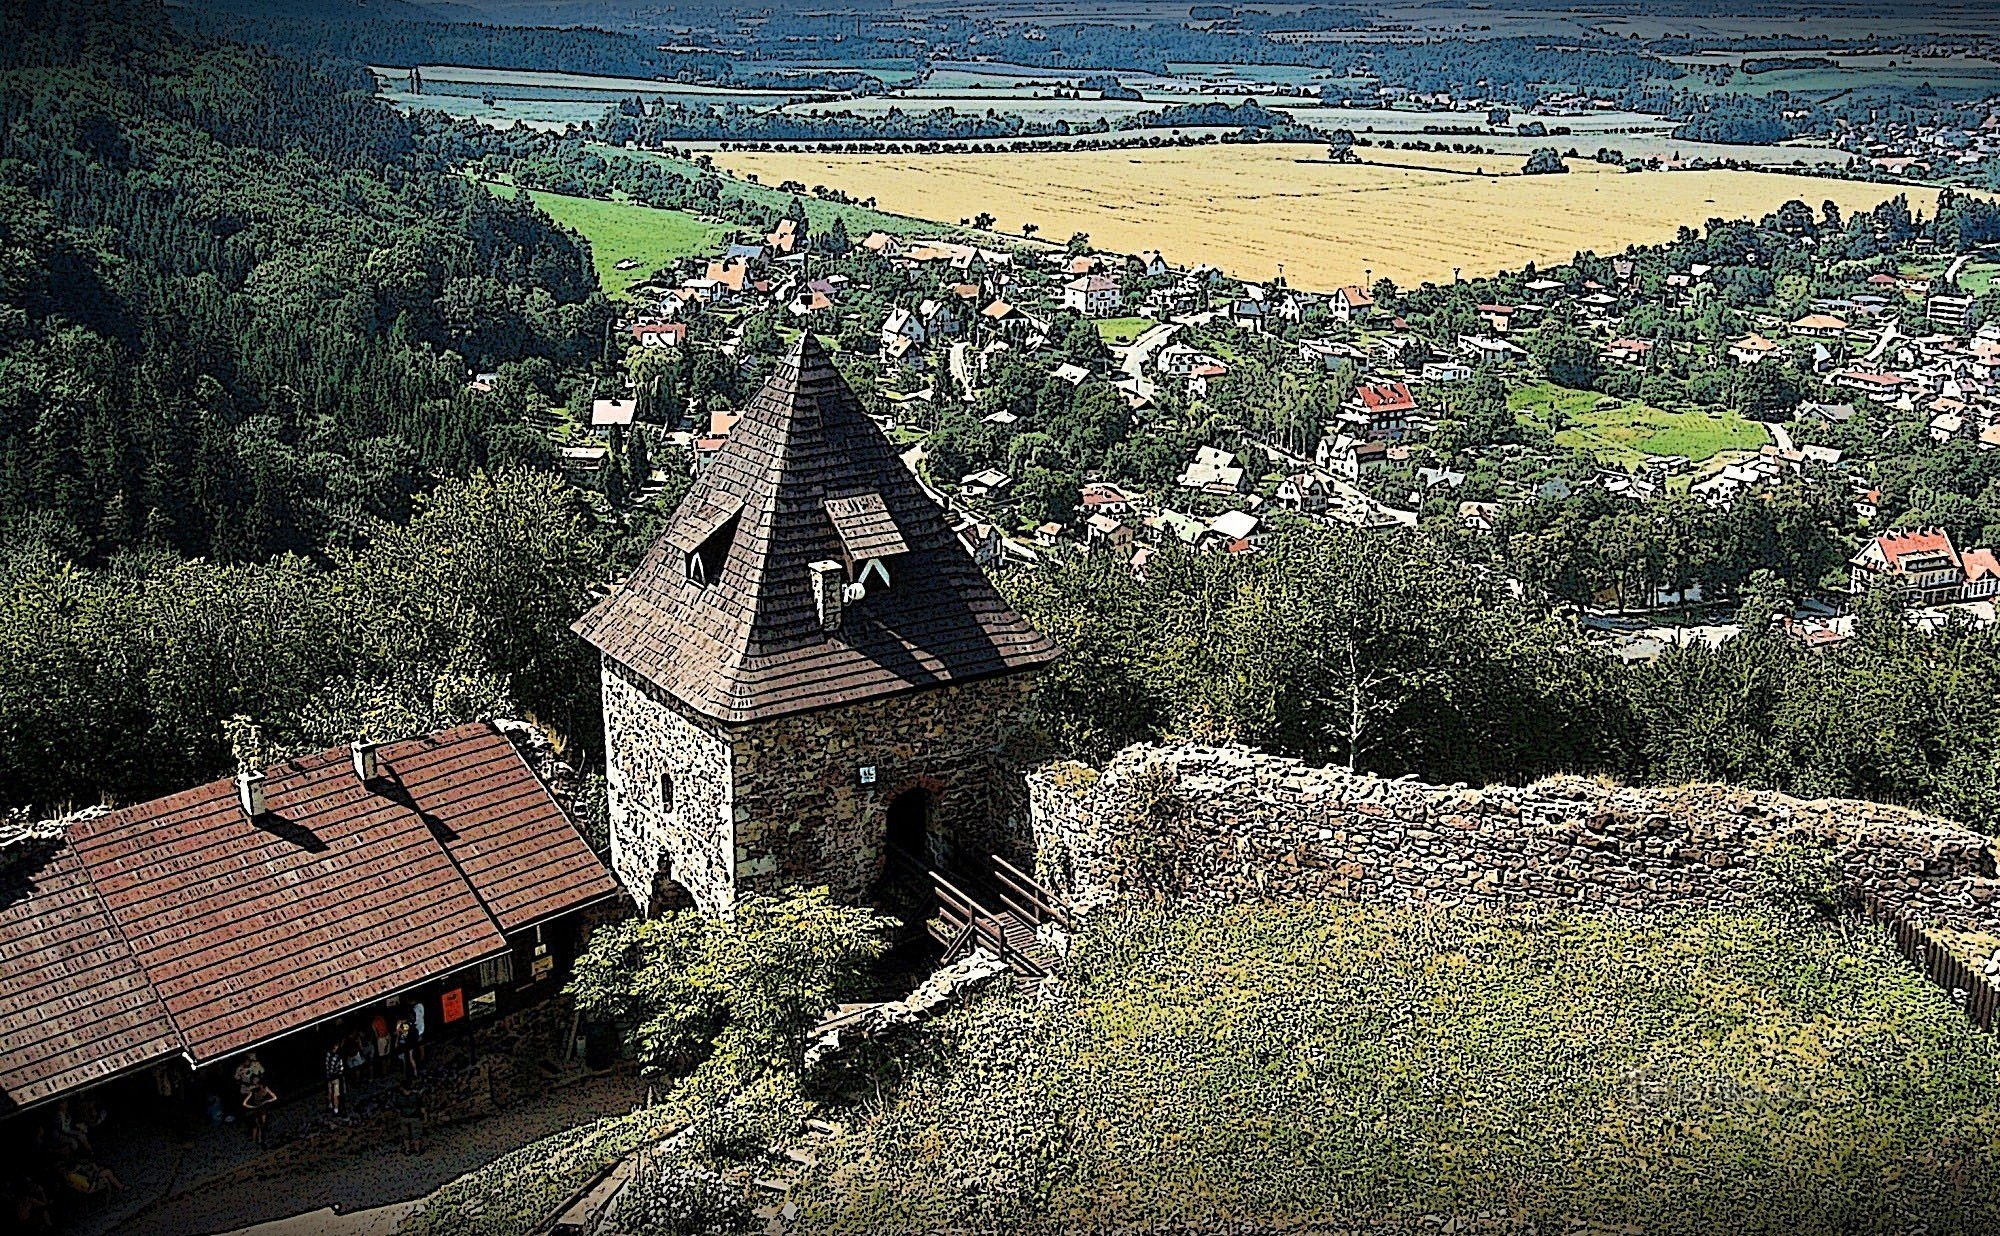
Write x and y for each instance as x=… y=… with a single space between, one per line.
x=367 y=1193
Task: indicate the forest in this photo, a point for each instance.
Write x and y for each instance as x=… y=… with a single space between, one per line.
x=241 y=305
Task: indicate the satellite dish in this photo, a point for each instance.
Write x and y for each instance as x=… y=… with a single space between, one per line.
x=853 y=593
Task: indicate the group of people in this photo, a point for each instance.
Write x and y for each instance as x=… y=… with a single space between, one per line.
x=61 y=1165
x=392 y=1041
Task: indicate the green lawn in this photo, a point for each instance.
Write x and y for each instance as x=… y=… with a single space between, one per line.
x=1319 y=1067
x=859 y=220
x=622 y=231
x=1629 y=432
x=1121 y=331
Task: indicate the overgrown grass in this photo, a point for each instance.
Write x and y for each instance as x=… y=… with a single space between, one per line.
x=1628 y=431
x=626 y=231
x=1288 y=1066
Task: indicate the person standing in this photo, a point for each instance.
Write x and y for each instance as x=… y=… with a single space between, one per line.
x=384 y=1041
x=336 y=1072
x=249 y=1075
x=417 y=1024
x=257 y=1106
x=409 y=1105
x=406 y=1046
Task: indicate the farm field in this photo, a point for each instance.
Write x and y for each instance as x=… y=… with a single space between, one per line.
x=859 y=220
x=1411 y=216
x=1630 y=431
x=627 y=231
x=1325 y=1066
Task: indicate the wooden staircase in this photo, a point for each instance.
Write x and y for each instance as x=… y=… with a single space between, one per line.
x=1002 y=912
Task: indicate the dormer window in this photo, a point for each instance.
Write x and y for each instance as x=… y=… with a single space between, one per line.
x=868 y=538
x=704 y=538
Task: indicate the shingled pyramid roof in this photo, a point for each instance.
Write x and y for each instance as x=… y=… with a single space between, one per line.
x=807 y=477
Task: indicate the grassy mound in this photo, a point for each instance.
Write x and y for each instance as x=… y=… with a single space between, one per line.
x=1294 y=1067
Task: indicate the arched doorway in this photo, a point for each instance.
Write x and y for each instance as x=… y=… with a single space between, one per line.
x=909 y=824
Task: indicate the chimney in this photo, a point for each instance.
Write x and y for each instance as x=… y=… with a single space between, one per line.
x=363 y=752
x=829 y=579
x=250 y=792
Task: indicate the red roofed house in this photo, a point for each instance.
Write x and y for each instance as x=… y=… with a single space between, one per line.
x=1982 y=574
x=660 y=334
x=1920 y=568
x=189 y=929
x=1378 y=411
x=807 y=675
x=1350 y=303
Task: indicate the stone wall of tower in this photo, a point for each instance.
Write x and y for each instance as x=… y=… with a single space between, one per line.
x=804 y=816
x=690 y=840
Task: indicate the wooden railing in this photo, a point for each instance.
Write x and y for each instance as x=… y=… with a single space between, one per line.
x=965 y=918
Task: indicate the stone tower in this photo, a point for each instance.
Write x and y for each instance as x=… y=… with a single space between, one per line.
x=806 y=668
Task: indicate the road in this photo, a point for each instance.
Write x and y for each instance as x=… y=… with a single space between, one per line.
x=961 y=369
x=1132 y=359
x=1882 y=344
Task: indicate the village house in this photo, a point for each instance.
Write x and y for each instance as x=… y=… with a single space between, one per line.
x=1202 y=376
x=985 y=483
x=1751 y=349
x=1351 y=304
x=1820 y=326
x=1350 y=458
x=1151 y=263
x=1093 y=296
x=1880 y=387
x=659 y=334
x=1309 y=492
x=1499 y=318
x=1215 y=471
x=1108 y=532
x=786 y=236
x=1379 y=411
x=1923 y=567
x=612 y=413
x=1479 y=516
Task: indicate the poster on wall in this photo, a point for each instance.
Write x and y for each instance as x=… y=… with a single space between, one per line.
x=453 y=1004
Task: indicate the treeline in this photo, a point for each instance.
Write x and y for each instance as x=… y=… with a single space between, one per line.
x=120 y=678
x=404 y=37
x=1396 y=655
x=240 y=305
x=661 y=123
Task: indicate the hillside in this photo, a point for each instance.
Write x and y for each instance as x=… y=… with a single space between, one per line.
x=1324 y=1064
x=256 y=300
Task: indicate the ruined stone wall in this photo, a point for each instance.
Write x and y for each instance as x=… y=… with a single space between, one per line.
x=688 y=841
x=1209 y=825
x=802 y=814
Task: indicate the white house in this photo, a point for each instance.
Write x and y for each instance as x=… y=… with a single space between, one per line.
x=1093 y=296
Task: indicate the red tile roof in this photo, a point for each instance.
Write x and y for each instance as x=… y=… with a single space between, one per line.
x=747 y=645
x=74 y=1006
x=1386 y=397
x=1898 y=546
x=188 y=926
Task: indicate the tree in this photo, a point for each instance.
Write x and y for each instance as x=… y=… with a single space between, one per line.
x=1545 y=161
x=1567 y=357
x=753 y=984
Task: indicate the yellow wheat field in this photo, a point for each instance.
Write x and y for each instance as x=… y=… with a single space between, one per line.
x=1411 y=216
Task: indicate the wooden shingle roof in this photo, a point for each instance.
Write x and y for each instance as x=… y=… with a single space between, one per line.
x=813 y=479
x=182 y=926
